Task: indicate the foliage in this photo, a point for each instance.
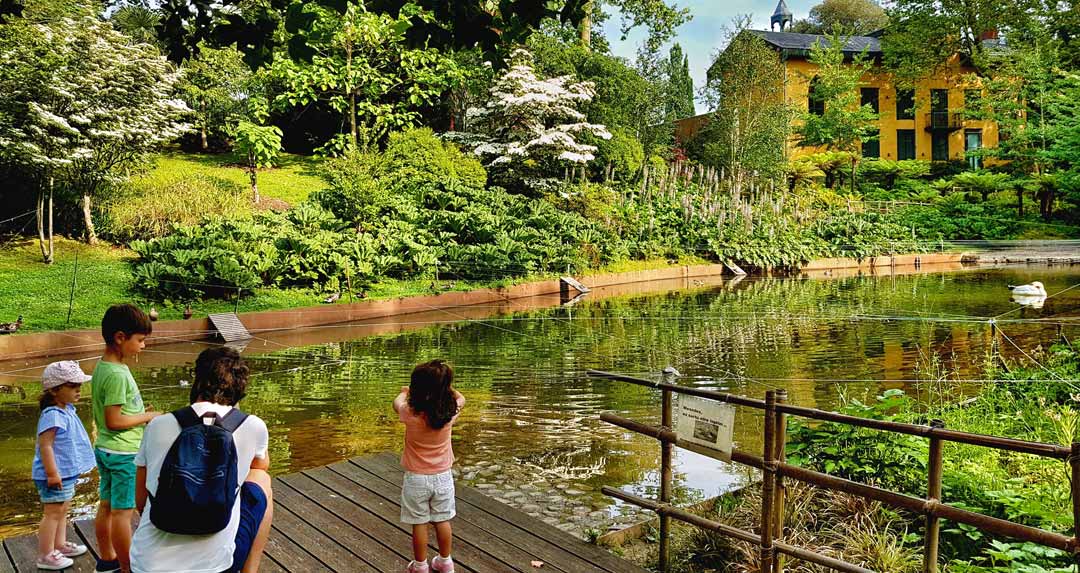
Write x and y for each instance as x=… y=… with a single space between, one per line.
x=215 y=86
x=360 y=63
x=890 y=460
x=981 y=182
x=151 y=205
x=622 y=156
x=855 y=17
x=529 y=125
x=750 y=128
x=660 y=16
x=260 y=144
x=844 y=123
x=680 y=100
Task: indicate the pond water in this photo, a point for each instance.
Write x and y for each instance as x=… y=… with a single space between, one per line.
x=531 y=432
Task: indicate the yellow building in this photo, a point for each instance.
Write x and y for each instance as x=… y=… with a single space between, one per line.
x=925 y=123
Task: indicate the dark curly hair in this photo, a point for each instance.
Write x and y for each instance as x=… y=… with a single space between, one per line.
x=126 y=318
x=430 y=393
x=221 y=377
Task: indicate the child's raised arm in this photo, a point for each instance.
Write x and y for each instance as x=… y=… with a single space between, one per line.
x=115 y=420
x=48 y=458
x=402 y=399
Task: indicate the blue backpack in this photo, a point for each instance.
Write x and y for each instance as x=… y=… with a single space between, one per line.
x=197 y=486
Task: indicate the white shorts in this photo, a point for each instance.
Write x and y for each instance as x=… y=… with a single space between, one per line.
x=427 y=498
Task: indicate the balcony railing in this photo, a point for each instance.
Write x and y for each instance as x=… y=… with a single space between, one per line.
x=943 y=120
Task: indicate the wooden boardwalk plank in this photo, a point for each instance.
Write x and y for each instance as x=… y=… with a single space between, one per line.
x=341 y=504
x=351 y=538
x=515 y=558
x=6 y=564
x=23 y=551
x=346 y=517
x=322 y=548
x=554 y=556
x=466 y=550
x=387 y=464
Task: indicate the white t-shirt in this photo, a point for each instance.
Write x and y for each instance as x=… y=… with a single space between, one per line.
x=153 y=550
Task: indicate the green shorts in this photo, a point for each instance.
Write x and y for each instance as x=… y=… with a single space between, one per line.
x=116 y=473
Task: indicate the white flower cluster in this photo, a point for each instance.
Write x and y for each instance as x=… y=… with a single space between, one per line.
x=532 y=118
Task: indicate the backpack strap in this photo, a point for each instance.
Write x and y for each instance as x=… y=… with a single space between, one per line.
x=232 y=420
x=186 y=416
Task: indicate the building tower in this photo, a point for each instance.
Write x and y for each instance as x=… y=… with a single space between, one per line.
x=782 y=16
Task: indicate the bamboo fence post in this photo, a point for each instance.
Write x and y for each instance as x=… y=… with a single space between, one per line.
x=665 y=479
x=933 y=494
x=779 y=447
x=768 y=485
x=1074 y=465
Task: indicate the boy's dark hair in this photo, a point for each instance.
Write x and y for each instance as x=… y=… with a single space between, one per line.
x=221 y=377
x=430 y=393
x=126 y=318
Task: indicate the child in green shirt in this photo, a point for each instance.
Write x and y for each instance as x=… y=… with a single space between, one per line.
x=119 y=416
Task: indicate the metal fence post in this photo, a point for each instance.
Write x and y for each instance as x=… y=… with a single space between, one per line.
x=933 y=494
x=665 y=478
x=779 y=447
x=768 y=485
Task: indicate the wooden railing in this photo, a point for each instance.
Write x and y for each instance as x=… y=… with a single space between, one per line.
x=775 y=470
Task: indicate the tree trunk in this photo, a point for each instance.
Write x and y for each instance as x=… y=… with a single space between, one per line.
x=352 y=92
x=254 y=181
x=585 y=26
x=854 y=169
x=202 y=138
x=88 y=219
x=46 y=243
x=1019 y=202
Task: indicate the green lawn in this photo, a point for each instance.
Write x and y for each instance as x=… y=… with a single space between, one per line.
x=291 y=179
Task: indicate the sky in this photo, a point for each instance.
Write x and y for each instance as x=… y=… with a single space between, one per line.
x=704 y=34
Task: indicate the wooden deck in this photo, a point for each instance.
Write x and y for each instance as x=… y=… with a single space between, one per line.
x=344 y=517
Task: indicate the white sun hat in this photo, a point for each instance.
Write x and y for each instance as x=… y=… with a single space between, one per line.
x=63 y=372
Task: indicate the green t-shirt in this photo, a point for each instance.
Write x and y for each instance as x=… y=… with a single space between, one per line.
x=112 y=385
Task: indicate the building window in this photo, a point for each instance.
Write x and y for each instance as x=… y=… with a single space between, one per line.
x=939 y=145
x=905 y=104
x=815 y=104
x=871 y=146
x=905 y=144
x=972 y=143
x=869 y=96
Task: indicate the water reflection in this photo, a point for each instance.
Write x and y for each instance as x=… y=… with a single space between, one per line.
x=534 y=413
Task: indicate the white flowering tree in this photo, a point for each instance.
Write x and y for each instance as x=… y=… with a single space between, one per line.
x=102 y=103
x=528 y=119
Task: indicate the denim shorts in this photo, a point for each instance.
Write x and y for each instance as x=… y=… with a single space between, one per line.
x=427 y=498
x=65 y=492
x=252 y=511
x=117 y=479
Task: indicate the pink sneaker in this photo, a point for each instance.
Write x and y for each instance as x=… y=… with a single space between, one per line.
x=69 y=549
x=56 y=561
x=440 y=565
x=417 y=567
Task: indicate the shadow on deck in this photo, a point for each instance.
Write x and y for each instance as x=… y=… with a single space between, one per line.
x=345 y=517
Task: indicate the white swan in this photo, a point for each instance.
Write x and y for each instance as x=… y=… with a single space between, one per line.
x=1033 y=289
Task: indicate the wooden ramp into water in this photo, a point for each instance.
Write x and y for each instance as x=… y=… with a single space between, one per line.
x=344 y=517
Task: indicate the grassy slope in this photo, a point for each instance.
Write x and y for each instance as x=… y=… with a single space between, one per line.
x=291 y=179
x=40 y=292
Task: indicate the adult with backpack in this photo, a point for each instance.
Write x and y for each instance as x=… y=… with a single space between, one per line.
x=201 y=479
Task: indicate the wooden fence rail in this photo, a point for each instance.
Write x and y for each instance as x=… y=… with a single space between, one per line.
x=775 y=470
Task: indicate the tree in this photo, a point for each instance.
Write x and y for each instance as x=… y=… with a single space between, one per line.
x=528 y=119
x=215 y=85
x=843 y=124
x=102 y=104
x=924 y=34
x=749 y=130
x=260 y=145
x=659 y=16
x=855 y=17
x=363 y=68
x=680 y=100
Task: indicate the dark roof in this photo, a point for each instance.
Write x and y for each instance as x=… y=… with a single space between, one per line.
x=792 y=44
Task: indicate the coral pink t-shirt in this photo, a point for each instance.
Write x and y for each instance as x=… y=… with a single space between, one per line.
x=427 y=451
